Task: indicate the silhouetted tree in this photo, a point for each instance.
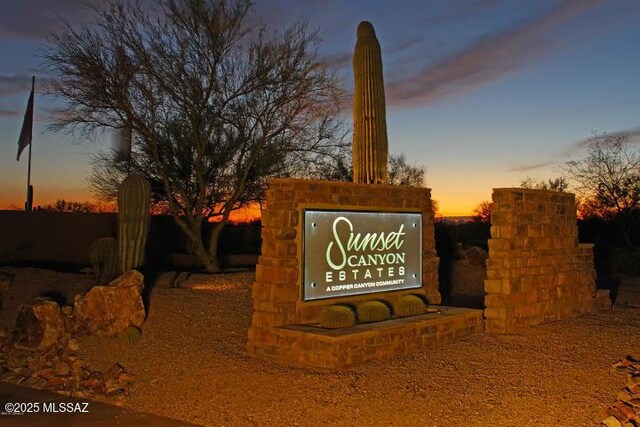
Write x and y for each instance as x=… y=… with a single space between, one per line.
x=609 y=175
x=215 y=106
x=65 y=206
x=556 y=184
x=402 y=173
x=608 y=181
x=399 y=172
x=482 y=212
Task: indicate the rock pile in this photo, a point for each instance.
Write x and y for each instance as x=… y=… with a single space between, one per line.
x=59 y=369
x=625 y=412
x=42 y=350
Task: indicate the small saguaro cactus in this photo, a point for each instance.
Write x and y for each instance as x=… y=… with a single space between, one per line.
x=370 y=145
x=103 y=254
x=134 y=196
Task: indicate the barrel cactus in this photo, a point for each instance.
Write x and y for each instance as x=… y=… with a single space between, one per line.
x=373 y=311
x=103 y=254
x=337 y=316
x=370 y=145
x=409 y=305
x=133 y=221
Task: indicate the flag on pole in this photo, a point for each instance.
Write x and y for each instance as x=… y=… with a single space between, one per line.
x=27 y=127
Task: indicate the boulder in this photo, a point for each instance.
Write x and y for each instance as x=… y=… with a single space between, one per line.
x=132 y=278
x=6 y=280
x=39 y=326
x=108 y=310
x=476 y=256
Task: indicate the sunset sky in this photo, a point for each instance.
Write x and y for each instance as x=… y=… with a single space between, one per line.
x=483 y=93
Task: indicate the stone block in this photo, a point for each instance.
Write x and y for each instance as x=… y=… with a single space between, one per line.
x=260 y=291
x=285 y=293
x=499 y=274
x=272 y=274
x=286 y=233
x=283 y=205
x=499 y=301
x=494 y=264
x=496 y=245
x=496 y=313
x=493 y=286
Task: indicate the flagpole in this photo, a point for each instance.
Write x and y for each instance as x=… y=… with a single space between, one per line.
x=29 y=203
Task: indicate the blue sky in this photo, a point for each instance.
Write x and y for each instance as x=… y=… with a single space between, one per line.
x=483 y=93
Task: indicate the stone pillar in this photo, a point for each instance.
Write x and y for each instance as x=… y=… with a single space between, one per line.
x=537 y=271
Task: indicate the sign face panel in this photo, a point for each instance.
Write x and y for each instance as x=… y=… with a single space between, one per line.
x=352 y=253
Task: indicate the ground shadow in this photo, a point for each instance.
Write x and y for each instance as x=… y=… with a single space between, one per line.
x=56 y=296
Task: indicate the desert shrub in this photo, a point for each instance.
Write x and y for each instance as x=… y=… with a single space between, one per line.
x=337 y=316
x=131 y=335
x=373 y=311
x=409 y=305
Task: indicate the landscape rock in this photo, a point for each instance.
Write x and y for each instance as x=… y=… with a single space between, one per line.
x=108 y=310
x=64 y=373
x=39 y=325
x=6 y=280
x=132 y=278
x=476 y=256
x=73 y=345
x=626 y=410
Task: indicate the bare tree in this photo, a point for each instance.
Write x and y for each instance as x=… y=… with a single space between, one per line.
x=399 y=172
x=215 y=105
x=70 y=206
x=609 y=175
x=556 y=184
x=608 y=182
x=482 y=212
x=402 y=173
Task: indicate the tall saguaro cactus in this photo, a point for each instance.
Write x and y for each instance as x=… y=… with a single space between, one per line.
x=133 y=220
x=370 y=146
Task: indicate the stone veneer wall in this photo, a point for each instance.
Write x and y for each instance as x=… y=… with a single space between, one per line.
x=537 y=271
x=277 y=290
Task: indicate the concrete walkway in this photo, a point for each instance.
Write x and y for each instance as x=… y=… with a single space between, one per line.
x=98 y=414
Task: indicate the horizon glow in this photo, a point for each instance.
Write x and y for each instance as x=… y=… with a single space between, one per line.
x=481 y=93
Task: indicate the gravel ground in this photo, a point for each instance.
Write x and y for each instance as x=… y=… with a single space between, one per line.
x=191 y=364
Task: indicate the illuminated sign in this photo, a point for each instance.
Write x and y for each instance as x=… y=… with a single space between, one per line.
x=352 y=253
